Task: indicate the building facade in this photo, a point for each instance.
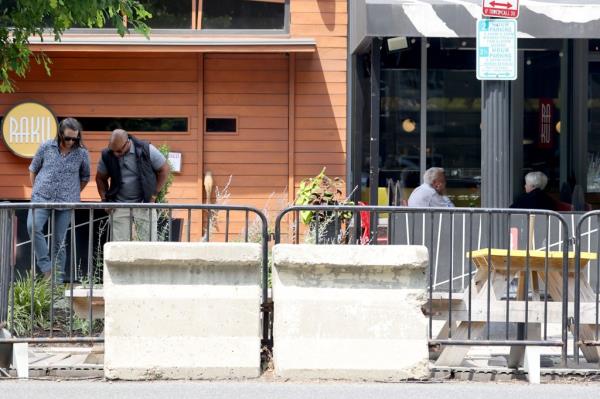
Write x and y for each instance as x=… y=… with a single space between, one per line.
x=255 y=90
x=416 y=101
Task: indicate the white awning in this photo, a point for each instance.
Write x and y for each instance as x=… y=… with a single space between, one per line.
x=456 y=18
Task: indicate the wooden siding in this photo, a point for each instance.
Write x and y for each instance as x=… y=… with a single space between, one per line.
x=256 y=157
x=291 y=109
x=105 y=85
x=320 y=91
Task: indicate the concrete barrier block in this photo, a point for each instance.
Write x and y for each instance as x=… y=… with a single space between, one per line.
x=182 y=310
x=350 y=312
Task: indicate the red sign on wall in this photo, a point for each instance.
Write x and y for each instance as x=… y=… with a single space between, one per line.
x=546 y=126
x=501 y=8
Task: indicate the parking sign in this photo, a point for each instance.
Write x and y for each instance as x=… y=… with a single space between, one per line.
x=496 y=49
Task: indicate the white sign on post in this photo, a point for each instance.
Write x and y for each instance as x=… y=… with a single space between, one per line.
x=501 y=8
x=496 y=49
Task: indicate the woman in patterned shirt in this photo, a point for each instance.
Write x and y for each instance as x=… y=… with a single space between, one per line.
x=58 y=172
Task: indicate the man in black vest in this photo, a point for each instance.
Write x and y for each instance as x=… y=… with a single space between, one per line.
x=131 y=170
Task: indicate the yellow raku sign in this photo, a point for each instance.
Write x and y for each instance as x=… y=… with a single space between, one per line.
x=26 y=126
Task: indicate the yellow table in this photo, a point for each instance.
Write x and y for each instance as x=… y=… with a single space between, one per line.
x=495 y=264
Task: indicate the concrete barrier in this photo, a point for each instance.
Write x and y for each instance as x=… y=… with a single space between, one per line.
x=350 y=312
x=182 y=310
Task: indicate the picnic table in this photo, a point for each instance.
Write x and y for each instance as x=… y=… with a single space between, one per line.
x=494 y=270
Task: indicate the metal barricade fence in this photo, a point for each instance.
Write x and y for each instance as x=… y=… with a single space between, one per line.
x=497 y=277
x=6 y=238
x=586 y=288
x=41 y=310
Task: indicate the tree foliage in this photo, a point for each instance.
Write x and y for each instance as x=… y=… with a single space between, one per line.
x=22 y=19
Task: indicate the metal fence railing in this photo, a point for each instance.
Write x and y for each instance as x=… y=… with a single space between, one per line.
x=497 y=277
x=67 y=304
x=586 y=288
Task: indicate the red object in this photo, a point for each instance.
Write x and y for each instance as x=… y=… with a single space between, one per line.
x=501 y=8
x=365 y=224
x=546 y=125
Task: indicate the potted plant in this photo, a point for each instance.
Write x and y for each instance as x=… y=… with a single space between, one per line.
x=161 y=198
x=323 y=190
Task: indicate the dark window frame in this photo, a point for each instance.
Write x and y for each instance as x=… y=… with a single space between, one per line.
x=226 y=133
x=286 y=24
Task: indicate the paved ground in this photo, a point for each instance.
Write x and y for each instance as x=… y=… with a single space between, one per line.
x=286 y=390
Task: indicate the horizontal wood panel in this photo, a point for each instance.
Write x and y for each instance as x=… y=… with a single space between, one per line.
x=320 y=123
x=321 y=88
x=93 y=110
x=104 y=99
x=224 y=64
x=107 y=87
x=124 y=63
x=264 y=169
x=258 y=123
x=251 y=180
x=320 y=99
x=313 y=170
x=324 y=146
x=182 y=75
x=242 y=76
x=246 y=145
x=246 y=99
x=326 y=53
x=313 y=77
x=260 y=134
x=247 y=110
x=321 y=158
x=244 y=56
x=320 y=134
x=249 y=158
x=321 y=112
x=317 y=64
x=244 y=88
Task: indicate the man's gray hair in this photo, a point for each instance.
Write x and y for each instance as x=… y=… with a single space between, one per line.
x=536 y=180
x=431 y=173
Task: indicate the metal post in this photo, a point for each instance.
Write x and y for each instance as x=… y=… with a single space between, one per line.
x=374 y=134
x=495 y=154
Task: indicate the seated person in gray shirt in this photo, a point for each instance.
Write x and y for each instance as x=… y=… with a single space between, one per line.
x=431 y=194
x=131 y=170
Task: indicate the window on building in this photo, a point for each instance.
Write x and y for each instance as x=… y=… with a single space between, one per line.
x=244 y=14
x=172 y=14
x=108 y=124
x=400 y=122
x=454 y=117
x=221 y=125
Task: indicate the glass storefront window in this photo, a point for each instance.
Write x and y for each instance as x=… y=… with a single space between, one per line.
x=172 y=14
x=541 y=115
x=454 y=117
x=593 y=172
x=243 y=14
x=400 y=124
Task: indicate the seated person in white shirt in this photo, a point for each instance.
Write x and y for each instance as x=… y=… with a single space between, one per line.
x=431 y=194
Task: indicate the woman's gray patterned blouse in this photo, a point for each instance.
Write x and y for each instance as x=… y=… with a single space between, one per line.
x=58 y=177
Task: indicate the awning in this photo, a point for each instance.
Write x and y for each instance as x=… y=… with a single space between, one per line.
x=160 y=42
x=456 y=18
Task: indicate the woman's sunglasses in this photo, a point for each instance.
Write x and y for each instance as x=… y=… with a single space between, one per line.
x=75 y=139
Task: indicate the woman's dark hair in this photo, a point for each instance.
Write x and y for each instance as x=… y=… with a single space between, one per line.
x=73 y=124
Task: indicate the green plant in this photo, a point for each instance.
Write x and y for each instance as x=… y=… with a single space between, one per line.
x=162 y=195
x=321 y=190
x=20 y=323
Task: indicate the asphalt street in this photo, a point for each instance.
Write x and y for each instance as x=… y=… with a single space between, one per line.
x=10 y=389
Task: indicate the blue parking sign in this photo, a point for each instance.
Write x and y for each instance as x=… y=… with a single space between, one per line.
x=496 y=49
